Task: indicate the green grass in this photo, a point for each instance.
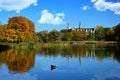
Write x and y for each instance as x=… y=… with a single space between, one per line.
x=19 y=45
x=24 y=45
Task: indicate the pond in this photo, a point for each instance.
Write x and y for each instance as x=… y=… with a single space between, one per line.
x=75 y=62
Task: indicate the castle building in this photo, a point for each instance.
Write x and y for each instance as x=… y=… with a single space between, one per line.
x=88 y=30
x=69 y=29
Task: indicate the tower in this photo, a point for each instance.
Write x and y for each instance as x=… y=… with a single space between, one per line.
x=80 y=26
x=68 y=27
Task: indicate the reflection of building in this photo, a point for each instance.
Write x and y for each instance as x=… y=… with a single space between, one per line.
x=69 y=29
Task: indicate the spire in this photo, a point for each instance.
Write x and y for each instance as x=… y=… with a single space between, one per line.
x=68 y=25
x=80 y=25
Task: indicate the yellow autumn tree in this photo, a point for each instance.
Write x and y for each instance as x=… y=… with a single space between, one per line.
x=1 y=30
x=19 y=29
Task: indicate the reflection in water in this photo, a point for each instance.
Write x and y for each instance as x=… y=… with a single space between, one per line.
x=97 y=62
x=54 y=58
x=93 y=51
x=18 y=61
x=4 y=47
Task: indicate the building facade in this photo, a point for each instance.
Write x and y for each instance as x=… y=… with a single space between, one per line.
x=88 y=30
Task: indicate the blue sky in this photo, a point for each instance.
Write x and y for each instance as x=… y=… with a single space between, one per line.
x=56 y=14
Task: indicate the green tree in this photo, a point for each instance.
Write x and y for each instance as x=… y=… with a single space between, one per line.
x=91 y=36
x=117 y=32
x=67 y=36
x=83 y=35
x=99 y=33
x=43 y=36
x=76 y=36
x=79 y=35
x=54 y=36
x=63 y=31
x=19 y=29
x=110 y=35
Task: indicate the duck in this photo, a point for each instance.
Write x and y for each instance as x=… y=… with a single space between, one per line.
x=52 y=67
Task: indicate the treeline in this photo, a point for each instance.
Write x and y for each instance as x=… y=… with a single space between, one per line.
x=20 y=29
x=100 y=34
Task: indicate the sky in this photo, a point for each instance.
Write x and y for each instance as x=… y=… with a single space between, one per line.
x=51 y=15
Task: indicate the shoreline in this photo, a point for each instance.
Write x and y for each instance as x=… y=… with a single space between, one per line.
x=97 y=42
x=57 y=43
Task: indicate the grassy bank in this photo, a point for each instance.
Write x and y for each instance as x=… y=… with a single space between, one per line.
x=56 y=44
x=93 y=42
x=19 y=45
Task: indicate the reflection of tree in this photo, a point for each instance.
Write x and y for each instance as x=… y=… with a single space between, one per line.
x=117 y=53
x=18 y=61
x=50 y=51
x=4 y=47
x=92 y=51
x=100 y=53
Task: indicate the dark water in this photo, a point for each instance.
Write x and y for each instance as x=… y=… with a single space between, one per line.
x=88 y=62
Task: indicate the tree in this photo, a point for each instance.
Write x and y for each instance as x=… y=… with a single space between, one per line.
x=91 y=36
x=19 y=29
x=1 y=32
x=110 y=35
x=63 y=31
x=79 y=35
x=117 y=32
x=83 y=35
x=76 y=36
x=54 y=36
x=43 y=36
x=99 y=33
x=67 y=36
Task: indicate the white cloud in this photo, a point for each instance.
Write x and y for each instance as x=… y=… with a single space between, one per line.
x=16 y=5
x=85 y=7
x=50 y=18
x=102 y=5
x=93 y=0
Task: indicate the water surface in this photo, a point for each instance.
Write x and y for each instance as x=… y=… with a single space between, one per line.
x=85 y=62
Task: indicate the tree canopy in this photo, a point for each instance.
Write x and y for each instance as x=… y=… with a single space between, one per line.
x=99 y=33
x=1 y=31
x=117 y=32
x=19 y=29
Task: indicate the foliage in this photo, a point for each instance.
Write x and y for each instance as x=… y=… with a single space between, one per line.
x=76 y=36
x=19 y=29
x=54 y=36
x=91 y=36
x=45 y=36
x=1 y=32
x=42 y=36
x=63 y=31
x=67 y=36
x=117 y=32
x=79 y=35
x=99 y=33
x=110 y=35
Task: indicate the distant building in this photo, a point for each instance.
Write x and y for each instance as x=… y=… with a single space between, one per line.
x=88 y=30
x=69 y=29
